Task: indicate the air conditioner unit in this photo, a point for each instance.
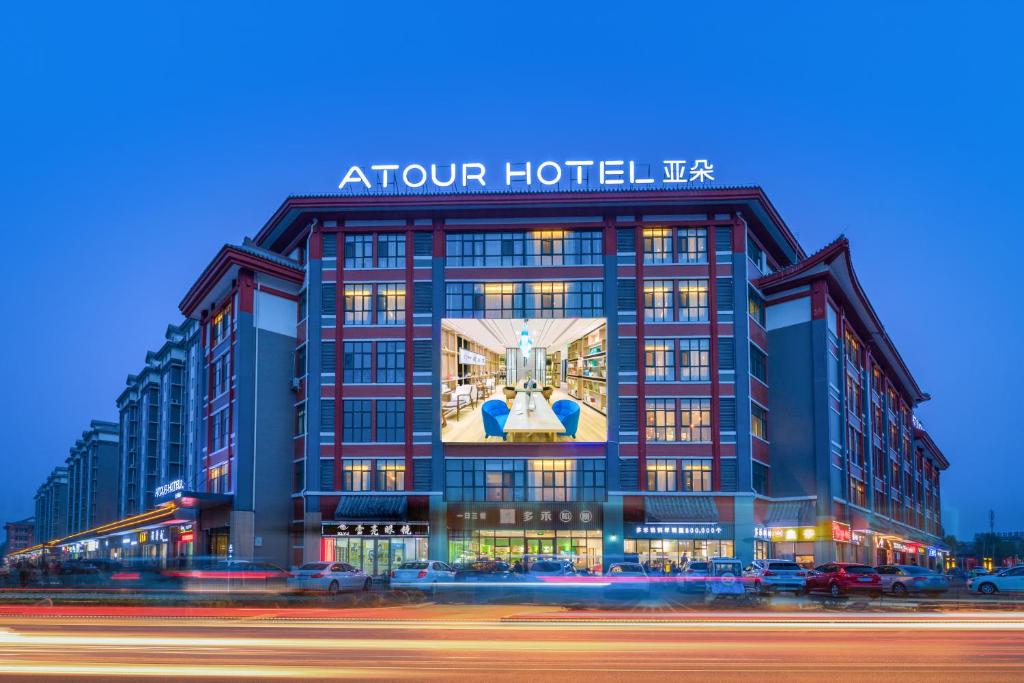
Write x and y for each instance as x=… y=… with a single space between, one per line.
x=295 y=383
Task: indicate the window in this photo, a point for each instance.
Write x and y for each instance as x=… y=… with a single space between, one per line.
x=535 y=248
x=693 y=301
x=222 y=325
x=563 y=299
x=391 y=251
x=657 y=245
x=473 y=479
x=356 y=363
x=391 y=420
x=693 y=245
x=221 y=429
x=391 y=475
x=696 y=474
x=221 y=374
x=300 y=361
x=551 y=479
x=858 y=492
x=758 y=421
x=390 y=304
x=755 y=253
x=759 y=473
x=694 y=360
x=355 y=475
x=695 y=419
x=355 y=421
x=217 y=478
x=658 y=364
x=852 y=349
x=390 y=362
x=658 y=301
x=583 y=299
x=758 y=364
x=300 y=419
x=855 y=446
x=359 y=251
x=755 y=306
x=661 y=419
x=501 y=299
x=358 y=302
x=303 y=304
x=662 y=475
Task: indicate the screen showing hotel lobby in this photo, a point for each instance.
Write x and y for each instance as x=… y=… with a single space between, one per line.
x=516 y=380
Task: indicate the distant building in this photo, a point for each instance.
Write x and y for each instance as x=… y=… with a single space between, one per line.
x=154 y=431
x=92 y=477
x=20 y=534
x=52 y=506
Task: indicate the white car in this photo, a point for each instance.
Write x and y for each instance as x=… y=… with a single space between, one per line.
x=422 y=574
x=329 y=577
x=1007 y=581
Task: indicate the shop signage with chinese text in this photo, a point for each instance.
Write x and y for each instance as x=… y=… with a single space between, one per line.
x=681 y=530
x=841 y=532
x=784 y=534
x=371 y=529
x=540 y=517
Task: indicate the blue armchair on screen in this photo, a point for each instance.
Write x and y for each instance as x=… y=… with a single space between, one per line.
x=495 y=414
x=568 y=413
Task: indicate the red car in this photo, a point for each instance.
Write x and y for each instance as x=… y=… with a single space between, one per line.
x=843 y=578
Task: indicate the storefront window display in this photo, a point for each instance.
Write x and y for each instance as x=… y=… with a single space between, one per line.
x=658 y=551
x=583 y=547
x=376 y=548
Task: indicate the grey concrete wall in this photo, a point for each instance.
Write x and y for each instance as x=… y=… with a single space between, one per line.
x=270 y=497
x=791 y=396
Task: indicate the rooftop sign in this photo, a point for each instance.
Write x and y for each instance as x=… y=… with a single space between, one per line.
x=571 y=174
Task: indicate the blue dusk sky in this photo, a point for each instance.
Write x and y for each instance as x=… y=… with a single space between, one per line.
x=138 y=140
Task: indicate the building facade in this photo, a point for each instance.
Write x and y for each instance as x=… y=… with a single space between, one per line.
x=92 y=467
x=648 y=374
x=20 y=535
x=51 y=498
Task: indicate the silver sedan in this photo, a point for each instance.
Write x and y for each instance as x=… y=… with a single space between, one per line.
x=900 y=579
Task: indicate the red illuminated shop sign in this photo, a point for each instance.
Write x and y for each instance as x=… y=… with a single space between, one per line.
x=841 y=532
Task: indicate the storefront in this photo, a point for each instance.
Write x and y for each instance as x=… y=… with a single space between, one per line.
x=795 y=543
x=526 y=531
x=850 y=545
x=674 y=544
x=374 y=547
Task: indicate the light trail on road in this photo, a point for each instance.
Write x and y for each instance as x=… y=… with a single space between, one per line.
x=510 y=643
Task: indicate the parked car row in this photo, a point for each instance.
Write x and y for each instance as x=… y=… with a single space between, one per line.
x=762 y=577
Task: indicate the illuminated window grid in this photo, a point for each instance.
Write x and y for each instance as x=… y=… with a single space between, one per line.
x=390 y=304
x=658 y=360
x=355 y=474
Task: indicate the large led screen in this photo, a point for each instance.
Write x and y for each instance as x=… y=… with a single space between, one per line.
x=524 y=381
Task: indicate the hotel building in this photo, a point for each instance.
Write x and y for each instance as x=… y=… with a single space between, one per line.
x=663 y=375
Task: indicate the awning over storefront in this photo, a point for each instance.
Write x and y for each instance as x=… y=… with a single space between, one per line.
x=383 y=508
x=791 y=513
x=680 y=509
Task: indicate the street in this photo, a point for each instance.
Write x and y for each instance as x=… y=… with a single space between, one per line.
x=503 y=643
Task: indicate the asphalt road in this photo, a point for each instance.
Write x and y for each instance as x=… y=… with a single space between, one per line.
x=505 y=643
